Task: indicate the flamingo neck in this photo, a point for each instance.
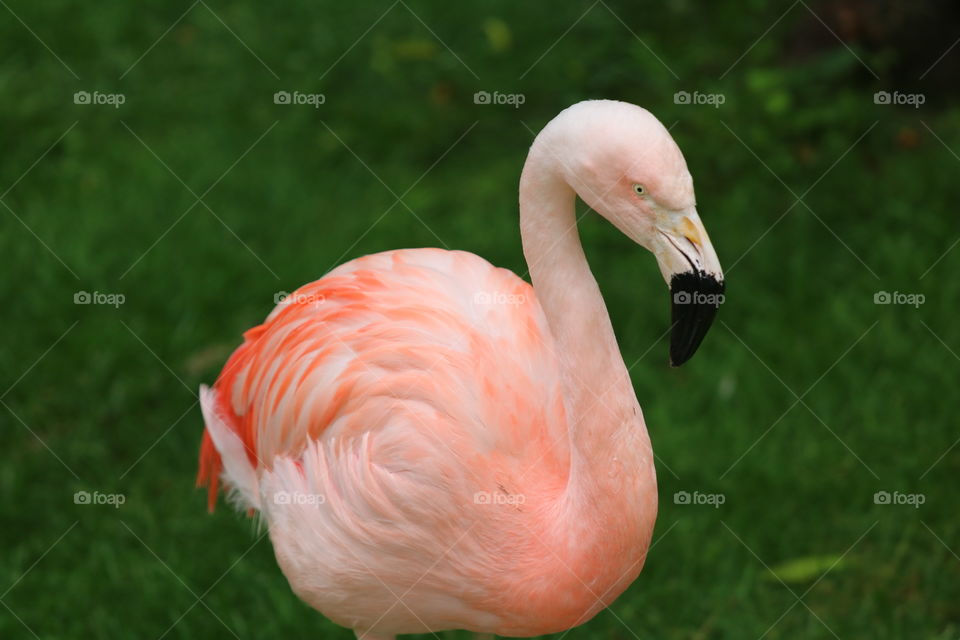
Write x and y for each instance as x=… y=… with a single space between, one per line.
x=612 y=485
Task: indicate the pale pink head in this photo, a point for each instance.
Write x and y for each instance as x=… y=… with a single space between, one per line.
x=625 y=165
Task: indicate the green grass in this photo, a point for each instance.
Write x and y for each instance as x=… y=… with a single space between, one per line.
x=98 y=398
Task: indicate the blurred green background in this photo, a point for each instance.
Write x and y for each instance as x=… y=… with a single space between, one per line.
x=199 y=198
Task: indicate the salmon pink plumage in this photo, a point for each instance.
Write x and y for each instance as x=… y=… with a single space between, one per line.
x=432 y=442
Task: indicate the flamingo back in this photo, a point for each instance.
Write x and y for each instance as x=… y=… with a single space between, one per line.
x=440 y=343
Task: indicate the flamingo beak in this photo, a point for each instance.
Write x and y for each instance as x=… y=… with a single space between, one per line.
x=690 y=266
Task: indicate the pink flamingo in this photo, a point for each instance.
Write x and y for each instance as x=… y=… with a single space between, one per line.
x=435 y=444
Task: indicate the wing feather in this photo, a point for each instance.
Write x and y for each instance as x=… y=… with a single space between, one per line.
x=412 y=344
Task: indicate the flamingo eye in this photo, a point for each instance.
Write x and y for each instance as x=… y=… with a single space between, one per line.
x=639 y=189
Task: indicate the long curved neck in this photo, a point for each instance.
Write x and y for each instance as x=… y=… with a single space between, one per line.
x=611 y=466
x=566 y=288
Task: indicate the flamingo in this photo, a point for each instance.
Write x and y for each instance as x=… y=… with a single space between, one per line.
x=435 y=444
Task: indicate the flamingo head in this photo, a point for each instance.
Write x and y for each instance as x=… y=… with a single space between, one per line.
x=627 y=168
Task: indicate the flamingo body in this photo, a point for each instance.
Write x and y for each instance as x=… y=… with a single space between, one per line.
x=435 y=444
x=407 y=408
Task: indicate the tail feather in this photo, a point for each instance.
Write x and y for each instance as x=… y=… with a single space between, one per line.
x=210 y=467
x=223 y=453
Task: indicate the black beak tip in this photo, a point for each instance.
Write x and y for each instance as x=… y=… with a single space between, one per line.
x=695 y=298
